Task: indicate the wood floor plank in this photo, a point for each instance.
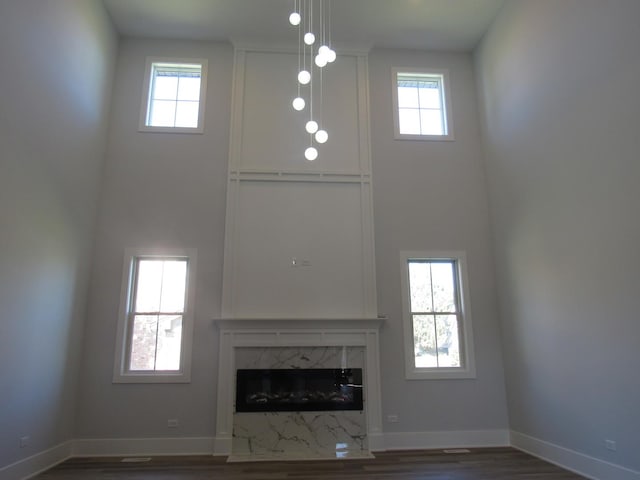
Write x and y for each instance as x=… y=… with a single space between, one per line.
x=478 y=464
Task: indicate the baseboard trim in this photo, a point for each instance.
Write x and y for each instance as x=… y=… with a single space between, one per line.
x=577 y=462
x=585 y=465
x=446 y=439
x=104 y=447
x=38 y=463
x=222 y=446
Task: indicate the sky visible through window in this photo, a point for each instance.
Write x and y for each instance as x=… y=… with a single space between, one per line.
x=420 y=105
x=175 y=96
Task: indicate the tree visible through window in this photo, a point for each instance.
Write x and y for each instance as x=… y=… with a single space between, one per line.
x=157 y=308
x=437 y=322
x=434 y=313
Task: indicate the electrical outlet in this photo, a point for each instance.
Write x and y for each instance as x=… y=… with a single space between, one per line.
x=24 y=441
x=610 y=445
x=393 y=418
x=173 y=423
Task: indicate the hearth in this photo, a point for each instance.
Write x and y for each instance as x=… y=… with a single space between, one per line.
x=298 y=390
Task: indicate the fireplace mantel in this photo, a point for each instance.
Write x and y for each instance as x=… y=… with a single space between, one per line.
x=296 y=332
x=299 y=323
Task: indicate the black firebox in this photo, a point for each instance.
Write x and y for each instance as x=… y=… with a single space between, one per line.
x=298 y=390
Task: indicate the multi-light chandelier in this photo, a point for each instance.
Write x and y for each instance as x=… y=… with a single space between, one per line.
x=314 y=53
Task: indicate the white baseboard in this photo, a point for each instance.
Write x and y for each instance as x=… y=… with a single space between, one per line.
x=33 y=465
x=103 y=447
x=447 y=439
x=580 y=463
x=577 y=462
x=222 y=446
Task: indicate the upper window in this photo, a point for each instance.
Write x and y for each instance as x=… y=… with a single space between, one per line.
x=422 y=107
x=154 y=333
x=436 y=316
x=174 y=97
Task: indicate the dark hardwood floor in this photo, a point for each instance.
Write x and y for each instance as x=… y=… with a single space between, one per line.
x=479 y=464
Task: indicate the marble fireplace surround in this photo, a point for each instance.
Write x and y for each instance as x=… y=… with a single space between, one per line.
x=345 y=334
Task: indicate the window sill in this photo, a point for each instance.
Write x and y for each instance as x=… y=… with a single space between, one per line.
x=163 y=377
x=146 y=129
x=440 y=374
x=425 y=138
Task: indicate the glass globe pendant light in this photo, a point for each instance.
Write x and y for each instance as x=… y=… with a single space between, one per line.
x=311 y=154
x=311 y=126
x=309 y=38
x=321 y=136
x=294 y=19
x=298 y=103
x=304 y=77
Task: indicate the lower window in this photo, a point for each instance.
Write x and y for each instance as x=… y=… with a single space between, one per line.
x=437 y=322
x=155 y=325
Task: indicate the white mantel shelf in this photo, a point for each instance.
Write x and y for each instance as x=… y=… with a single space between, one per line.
x=299 y=323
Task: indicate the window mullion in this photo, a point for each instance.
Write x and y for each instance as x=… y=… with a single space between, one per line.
x=419 y=108
x=175 y=105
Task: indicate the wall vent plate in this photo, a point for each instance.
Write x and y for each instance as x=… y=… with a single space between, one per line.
x=457 y=450
x=136 y=459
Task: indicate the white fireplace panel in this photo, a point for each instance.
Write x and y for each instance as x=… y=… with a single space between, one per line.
x=273 y=135
x=298 y=251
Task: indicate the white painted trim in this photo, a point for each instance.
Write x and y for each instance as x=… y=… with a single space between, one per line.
x=146 y=91
x=468 y=370
x=247 y=45
x=120 y=373
x=447 y=439
x=222 y=445
x=568 y=459
x=35 y=464
x=448 y=110
x=237 y=176
x=105 y=447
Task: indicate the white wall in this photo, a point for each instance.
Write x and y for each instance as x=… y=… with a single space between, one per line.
x=431 y=196
x=159 y=190
x=559 y=85
x=57 y=65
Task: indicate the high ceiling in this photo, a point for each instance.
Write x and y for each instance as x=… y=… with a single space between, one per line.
x=453 y=25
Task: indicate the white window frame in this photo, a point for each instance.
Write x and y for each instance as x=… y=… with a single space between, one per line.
x=467 y=368
x=446 y=103
x=121 y=373
x=146 y=95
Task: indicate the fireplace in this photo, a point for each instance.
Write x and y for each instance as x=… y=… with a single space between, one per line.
x=303 y=346
x=298 y=389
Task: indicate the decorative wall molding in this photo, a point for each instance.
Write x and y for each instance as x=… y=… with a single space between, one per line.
x=303 y=208
x=566 y=458
x=35 y=464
